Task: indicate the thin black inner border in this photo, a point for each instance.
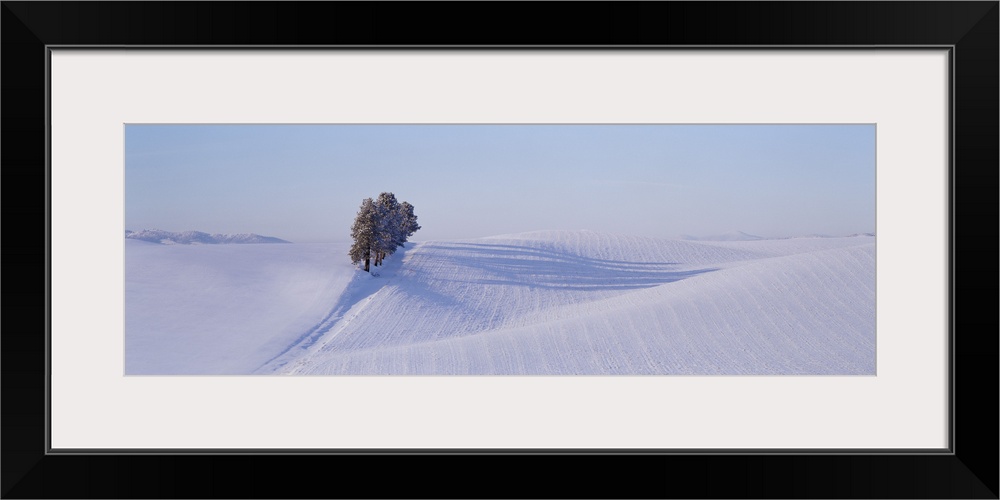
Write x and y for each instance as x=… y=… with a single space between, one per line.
x=949 y=450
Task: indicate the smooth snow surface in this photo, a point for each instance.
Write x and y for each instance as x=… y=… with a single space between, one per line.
x=540 y=303
x=223 y=309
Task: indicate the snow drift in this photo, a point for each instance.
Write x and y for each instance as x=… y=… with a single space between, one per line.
x=540 y=303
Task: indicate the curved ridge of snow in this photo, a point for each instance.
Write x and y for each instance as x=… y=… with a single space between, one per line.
x=578 y=302
x=620 y=248
x=545 y=302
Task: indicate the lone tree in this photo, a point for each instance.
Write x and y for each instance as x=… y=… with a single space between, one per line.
x=381 y=226
x=388 y=228
x=408 y=225
x=363 y=232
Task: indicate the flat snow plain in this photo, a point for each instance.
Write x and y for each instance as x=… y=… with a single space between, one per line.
x=539 y=303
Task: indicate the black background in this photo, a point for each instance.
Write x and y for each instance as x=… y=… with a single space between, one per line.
x=971 y=472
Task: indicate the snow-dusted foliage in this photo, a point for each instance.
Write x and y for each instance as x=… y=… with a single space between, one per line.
x=389 y=231
x=363 y=233
x=381 y=226
x=409 y=222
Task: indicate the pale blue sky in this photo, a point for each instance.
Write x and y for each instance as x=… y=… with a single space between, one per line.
x=305 y=182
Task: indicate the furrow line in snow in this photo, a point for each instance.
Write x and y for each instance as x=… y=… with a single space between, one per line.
x=777 y=316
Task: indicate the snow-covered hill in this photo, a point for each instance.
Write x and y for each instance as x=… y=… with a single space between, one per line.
x=224 y=309
x=540 y=303
x=197 y=237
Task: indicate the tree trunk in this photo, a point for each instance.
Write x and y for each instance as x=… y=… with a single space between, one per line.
x=367 y=260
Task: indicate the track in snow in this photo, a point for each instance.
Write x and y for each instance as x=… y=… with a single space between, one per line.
x=550 y=303
x=541 y=303
x=359 y=293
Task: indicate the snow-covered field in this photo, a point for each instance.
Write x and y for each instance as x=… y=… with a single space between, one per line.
x=540 y=303
x=214 y=309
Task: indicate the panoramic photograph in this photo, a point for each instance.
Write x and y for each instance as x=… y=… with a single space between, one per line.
x=522 y=249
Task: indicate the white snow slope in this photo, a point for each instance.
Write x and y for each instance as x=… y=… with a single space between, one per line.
x=224 y=309
x=540 y=303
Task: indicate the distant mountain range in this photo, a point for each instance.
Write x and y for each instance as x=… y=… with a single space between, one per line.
x=197 y=237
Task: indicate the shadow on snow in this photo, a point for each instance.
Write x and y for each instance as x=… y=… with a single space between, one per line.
x=509 y=265
x=534 y=267
x=353 y=294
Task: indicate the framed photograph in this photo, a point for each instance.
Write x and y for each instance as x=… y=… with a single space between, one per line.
x=724 y=252
x=529 y=249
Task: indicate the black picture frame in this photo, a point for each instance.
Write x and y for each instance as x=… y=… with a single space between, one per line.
x=968 y=470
